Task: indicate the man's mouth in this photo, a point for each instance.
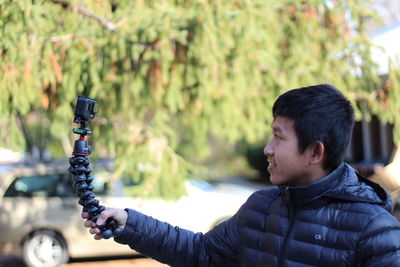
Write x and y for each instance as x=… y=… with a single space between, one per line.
x=271 y=165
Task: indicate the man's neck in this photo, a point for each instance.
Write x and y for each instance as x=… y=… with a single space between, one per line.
x=316 y=173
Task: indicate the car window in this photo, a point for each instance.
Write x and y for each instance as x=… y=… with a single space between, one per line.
x=64 y=187
x=35 y=185
x=51 y=185
x=99 y=182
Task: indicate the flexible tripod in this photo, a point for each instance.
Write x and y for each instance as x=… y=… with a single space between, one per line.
x=79 y=167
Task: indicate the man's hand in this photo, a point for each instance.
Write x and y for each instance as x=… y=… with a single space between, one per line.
x=119 y=215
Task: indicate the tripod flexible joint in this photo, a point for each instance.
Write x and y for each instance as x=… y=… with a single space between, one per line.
x=81 y=171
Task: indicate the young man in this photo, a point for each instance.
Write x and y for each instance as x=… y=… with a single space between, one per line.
x=320 y=213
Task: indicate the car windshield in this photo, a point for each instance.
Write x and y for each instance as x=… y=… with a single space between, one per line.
x=37 y=185
x=51 y=185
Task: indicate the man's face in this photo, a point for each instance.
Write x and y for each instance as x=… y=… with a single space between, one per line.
x=286 y=165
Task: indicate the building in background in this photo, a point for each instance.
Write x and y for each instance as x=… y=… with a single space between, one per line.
x=372 y=150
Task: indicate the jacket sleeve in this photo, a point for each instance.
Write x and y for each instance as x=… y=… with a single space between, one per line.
x=179 y=247
x=380 y=245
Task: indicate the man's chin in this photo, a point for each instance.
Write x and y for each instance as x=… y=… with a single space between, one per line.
x=277 y=181
x=274 y=180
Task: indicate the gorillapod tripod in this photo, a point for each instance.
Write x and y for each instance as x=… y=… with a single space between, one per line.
x=79 y=167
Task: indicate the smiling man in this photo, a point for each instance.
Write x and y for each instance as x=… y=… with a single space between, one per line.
x=319 y=213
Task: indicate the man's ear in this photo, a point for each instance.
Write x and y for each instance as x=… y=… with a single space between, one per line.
x=317 y=153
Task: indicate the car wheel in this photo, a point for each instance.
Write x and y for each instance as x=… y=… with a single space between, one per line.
x=44 y=249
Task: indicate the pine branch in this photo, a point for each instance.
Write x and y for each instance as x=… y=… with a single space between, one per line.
x=60 y=38
x=84 y=12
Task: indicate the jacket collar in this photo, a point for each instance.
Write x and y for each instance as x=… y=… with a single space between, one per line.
x=306 y=193
x=342 y=183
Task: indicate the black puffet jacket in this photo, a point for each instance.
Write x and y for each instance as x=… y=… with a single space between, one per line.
x=340 y=220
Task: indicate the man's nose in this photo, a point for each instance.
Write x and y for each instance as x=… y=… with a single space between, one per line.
x=268 y=149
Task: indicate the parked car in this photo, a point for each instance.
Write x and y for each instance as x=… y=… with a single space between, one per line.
x=40 y=217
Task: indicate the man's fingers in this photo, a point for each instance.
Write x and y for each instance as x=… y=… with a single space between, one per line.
x=89 y=224
x=94 y=231
x=98 y=236
x=119 y=215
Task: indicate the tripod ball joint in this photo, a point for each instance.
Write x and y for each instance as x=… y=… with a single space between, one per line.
x=79 y=168
x=82 y=148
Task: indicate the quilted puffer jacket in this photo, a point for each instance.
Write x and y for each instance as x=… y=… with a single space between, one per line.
x=342 y=219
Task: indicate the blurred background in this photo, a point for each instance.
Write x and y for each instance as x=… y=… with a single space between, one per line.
x=185 y=90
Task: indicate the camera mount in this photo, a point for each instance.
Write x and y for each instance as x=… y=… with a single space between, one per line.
x=79 y=167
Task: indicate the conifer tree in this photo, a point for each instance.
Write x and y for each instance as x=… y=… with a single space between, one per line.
x=171 y=74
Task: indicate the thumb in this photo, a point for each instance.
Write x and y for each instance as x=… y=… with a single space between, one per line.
x=104 y=215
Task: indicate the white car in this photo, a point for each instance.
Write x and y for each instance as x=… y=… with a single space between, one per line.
x=40 y=217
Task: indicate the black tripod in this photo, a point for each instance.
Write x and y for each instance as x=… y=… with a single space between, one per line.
x=79 y=167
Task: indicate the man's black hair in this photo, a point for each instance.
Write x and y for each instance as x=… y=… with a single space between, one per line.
x=320 y=113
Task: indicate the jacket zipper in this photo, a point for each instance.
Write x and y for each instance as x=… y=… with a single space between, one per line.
x=291 y=214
